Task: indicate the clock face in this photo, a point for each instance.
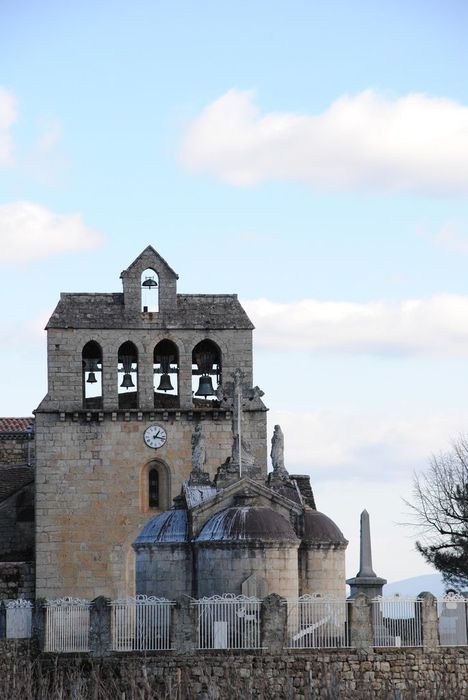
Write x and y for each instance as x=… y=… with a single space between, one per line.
x=155 y=436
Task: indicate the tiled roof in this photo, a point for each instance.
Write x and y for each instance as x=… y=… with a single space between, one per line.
x=12 y=479
x=15 y=425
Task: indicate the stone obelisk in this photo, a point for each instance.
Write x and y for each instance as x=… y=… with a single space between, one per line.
x=366 y=581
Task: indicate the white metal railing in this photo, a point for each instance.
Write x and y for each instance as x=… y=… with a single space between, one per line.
x=142 y=623
x=397 y=621
x=318 y=622
x=228 y=622
x=18 y=618
x=452 y=614
x=67 y=625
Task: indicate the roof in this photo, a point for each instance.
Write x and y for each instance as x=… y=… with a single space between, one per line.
x=319 y=528
x=170 y=527
x=12 y=479
x=247 y=523
x=15 y=425
x=103 y=311
x=197 y=494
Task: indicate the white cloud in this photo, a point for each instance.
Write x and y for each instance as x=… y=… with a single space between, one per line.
x=413 y=143
x=360 y=460
x=364 y=445
x=29 y=231
x=8 y=114
x=451 y=238
x=436 y=325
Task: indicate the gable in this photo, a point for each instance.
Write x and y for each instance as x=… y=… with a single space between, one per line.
x=253 y=492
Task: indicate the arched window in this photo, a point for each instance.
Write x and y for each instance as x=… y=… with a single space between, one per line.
x=166 y=374
x=128 y=375
x=149 y=291
x=92 y=375
x=206 y=372
x=153 y=488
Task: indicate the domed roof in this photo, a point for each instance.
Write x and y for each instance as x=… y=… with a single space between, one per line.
x=165 y=528
x=246 y=524
x=318 y=527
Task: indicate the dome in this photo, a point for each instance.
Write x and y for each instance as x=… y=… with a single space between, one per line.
x=318 y=527
x=246 y=523
x=170 y=527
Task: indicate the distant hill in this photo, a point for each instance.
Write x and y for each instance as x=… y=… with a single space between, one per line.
x=417 y=584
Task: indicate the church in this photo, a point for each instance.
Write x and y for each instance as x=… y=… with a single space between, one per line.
x=152 y=472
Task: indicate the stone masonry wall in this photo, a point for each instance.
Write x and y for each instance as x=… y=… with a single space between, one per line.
x=90 y=490
x=223 y=568
x=403 y=674
x=16 y=449
x=322 y=568
x=17 y=579
x=65 y=362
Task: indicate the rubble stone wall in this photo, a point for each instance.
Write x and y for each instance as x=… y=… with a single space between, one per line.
x=400 y=674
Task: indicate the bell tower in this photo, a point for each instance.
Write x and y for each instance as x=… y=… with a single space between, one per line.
x=131 y=376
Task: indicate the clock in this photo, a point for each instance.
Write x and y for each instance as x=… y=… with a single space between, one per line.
x=154 y=436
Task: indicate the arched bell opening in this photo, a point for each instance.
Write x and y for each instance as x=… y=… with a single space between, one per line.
x=128 y=375
x=206 y=373
x=92 y=375
x=149 y=291
x=166 y=374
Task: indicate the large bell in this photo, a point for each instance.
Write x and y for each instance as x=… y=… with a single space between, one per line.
x=127 y=382
x=205 y=388
x=149 y=283
x=91 y=378
x=165 y=383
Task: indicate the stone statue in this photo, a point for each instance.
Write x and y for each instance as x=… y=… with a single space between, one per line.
x=277 y=450
x=198 y=449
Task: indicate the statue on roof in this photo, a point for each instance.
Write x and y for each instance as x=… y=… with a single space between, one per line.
x=277 y=452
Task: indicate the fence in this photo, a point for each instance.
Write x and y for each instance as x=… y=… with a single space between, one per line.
x=142 y=623
x=67 y=625
x=18 y=619
x=452 y=619
x=228 y=622
x=318 y=622
x=238 y=622
x=397 y=621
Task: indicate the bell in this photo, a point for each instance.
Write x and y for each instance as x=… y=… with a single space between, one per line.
x=91 y=378
x=127 y=381
x=92 y=365
x=205 y=388
x=165 y=383
x=149 y=283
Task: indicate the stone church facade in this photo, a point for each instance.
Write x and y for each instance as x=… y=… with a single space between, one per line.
x=151 y=417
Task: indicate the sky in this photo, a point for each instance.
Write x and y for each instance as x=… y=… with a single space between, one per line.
x=311 y=157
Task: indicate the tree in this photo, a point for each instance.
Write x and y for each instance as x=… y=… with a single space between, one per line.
x=440 y=506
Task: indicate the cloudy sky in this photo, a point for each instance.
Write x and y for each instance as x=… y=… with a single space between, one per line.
x=312 y=157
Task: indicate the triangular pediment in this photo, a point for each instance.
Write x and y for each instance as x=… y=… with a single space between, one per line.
x=257 y=494
x=148 y=258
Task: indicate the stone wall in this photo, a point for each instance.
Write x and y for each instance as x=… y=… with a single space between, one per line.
x=17 y=580
x=17 y=532
x=16 y=448
x=91 y=485
x=401 y=674
x=224 y=567
x=65 y=389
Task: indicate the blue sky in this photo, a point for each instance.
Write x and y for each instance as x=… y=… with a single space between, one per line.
x=311 y=157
